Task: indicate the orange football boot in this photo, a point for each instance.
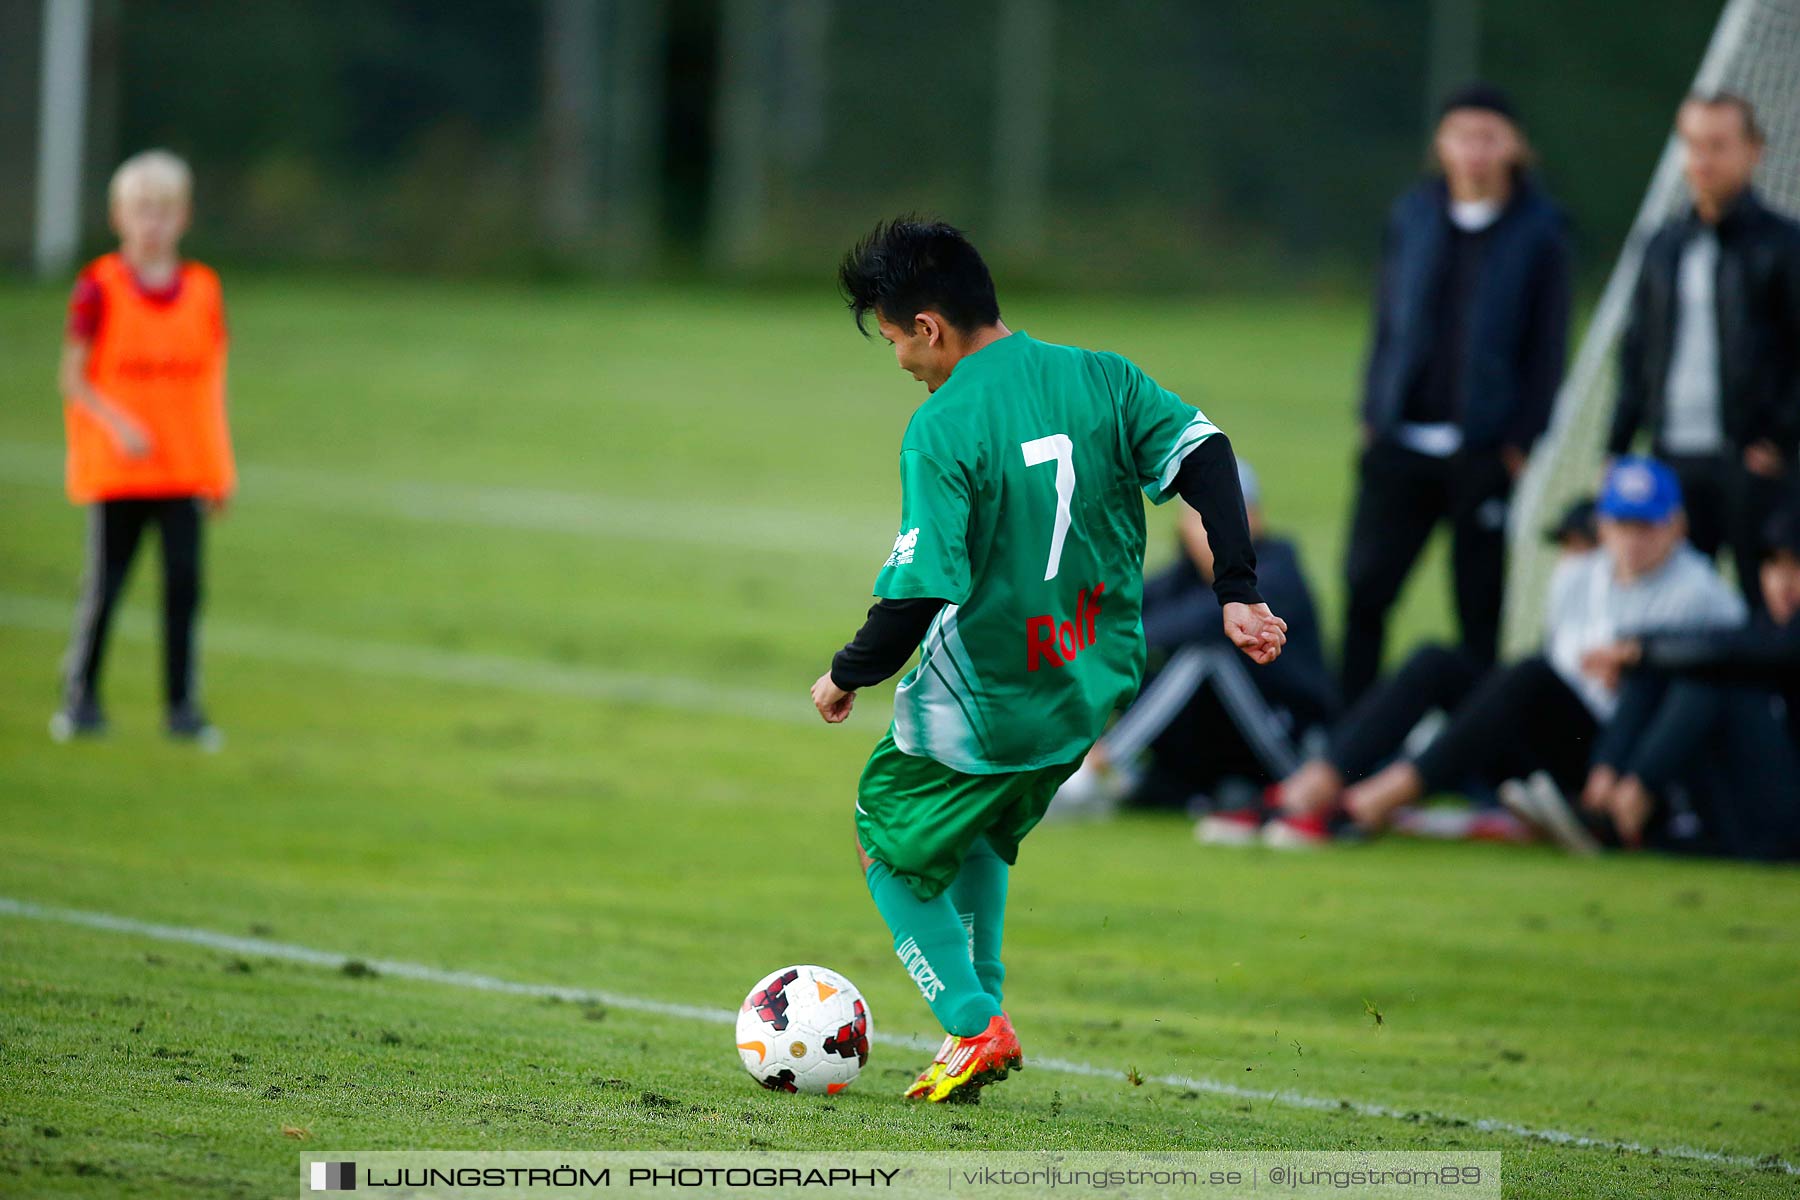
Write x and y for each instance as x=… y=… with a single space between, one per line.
x=974 y=1062
x=920 y=1087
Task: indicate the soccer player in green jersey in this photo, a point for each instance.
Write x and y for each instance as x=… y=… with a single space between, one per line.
x=1018 y=576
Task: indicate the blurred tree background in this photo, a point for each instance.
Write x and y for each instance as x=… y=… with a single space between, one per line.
x=1158 y=144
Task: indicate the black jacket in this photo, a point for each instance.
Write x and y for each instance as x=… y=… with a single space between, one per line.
x=1518 y=326
x=1761 y=654
x=1758 y=298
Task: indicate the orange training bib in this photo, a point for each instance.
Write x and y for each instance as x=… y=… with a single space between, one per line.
x=162 y=362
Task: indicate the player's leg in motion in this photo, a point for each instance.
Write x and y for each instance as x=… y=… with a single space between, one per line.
x=933 y=946
x=979 y=894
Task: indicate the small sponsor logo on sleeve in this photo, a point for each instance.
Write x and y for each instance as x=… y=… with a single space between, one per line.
x=904 y=545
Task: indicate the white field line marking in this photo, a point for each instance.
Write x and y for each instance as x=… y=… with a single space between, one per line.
x=393 y=660
x=717 y=1016
x=660 y=519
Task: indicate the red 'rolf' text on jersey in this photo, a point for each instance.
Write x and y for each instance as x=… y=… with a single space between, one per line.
x=1057 y=643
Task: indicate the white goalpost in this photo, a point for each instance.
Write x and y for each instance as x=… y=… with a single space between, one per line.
x=1754 y=52
x=62 y=120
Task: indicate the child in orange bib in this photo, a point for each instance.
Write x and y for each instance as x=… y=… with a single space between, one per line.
x=143 y=384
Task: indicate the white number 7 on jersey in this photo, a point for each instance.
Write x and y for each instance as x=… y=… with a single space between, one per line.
x=1041 y=450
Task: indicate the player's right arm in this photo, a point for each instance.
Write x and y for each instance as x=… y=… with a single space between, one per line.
x=928 y=569
x=887 y=639
x=880 y=648
x=85 y=315
x=132 y=439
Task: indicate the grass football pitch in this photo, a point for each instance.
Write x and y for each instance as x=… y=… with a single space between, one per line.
x=510 y=632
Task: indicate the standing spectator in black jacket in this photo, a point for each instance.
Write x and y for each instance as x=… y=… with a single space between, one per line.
x=1471 y=330
x=1712 y=717
x=1710 y=362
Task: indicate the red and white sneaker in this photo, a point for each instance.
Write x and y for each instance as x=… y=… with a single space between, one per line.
x=1231 y=827
x=975 y=1062
x=1499 y=825
x=1296 y=833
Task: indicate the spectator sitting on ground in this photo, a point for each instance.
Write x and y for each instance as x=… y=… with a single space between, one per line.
x=1435 y=679
x=1537 y=719
x=1712 y=719
x=1205 y=719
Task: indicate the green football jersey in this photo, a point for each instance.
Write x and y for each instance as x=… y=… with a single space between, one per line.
x=1019 y=506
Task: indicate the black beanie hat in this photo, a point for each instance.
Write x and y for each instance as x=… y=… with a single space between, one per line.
x=1484 y=96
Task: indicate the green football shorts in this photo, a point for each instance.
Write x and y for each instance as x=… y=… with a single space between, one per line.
x=919 y=817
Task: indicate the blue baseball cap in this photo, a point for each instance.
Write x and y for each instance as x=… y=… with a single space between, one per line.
x=1639 y=489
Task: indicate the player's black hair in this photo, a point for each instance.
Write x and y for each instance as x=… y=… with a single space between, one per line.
x=909 y=265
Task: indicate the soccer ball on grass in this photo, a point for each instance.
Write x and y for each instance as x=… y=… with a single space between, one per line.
x=804 y=1029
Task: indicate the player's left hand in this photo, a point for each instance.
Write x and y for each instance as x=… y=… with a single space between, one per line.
x=1256 y=631
x=832 y=701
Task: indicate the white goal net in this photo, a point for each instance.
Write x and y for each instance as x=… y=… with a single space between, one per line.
x=1755 y=52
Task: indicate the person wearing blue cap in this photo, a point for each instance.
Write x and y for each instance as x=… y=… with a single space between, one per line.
x=1536 y=720
x=1704 y=752
x=1470 y=336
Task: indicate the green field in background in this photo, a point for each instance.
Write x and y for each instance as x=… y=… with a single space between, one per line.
x=510 y=632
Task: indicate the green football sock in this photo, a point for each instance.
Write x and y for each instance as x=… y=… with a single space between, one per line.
x=979 y=895
x=934 y=948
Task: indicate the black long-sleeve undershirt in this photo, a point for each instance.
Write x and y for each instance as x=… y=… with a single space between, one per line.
x=884 y=643
x=1207 y=480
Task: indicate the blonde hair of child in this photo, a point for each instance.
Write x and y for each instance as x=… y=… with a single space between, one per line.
x=152 y=173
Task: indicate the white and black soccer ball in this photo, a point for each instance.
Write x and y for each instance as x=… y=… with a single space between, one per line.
x=804 y=1029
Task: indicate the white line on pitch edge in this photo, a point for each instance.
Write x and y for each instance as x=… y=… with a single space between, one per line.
x=290 y=952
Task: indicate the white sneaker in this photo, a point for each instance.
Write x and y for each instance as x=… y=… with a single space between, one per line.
x=1540 y=803
x=1559 y=818
x=1517 y=800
